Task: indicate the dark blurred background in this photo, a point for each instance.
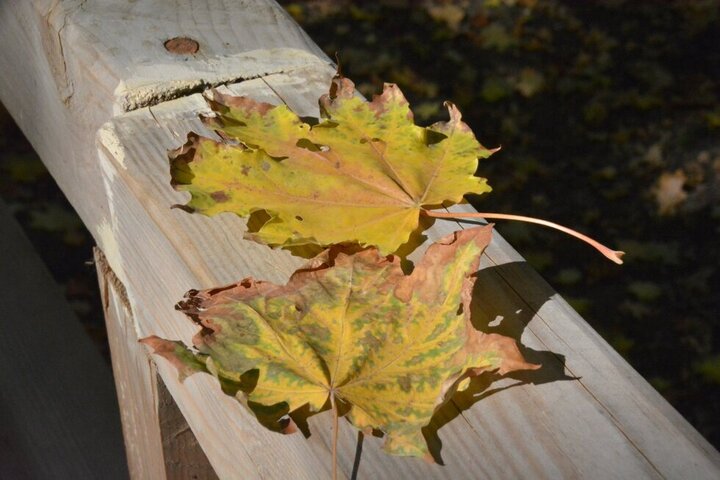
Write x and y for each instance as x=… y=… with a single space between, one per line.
x=608 y=115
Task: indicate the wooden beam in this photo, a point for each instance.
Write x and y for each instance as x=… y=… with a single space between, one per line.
x=158 y=440
x=58 y=412
x=585 y=414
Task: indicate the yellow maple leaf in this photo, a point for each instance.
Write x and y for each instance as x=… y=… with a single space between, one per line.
x=353 y=330
x=362 y=174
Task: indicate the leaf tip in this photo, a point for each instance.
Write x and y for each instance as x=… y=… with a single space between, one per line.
x=181 y=173
x=221 y=103
x=455 y=115
x=176 y=353
x=490 y=151
x=340 y=87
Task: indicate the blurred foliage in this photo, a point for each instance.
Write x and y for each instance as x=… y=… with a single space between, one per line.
x=53 y=227
x=609 y=119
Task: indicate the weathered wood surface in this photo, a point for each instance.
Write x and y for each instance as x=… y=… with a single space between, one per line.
x=158 y=441
x=58 y=413
x=586 y=414
x=68 y=66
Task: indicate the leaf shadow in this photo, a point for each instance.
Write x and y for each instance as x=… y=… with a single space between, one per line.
x=495 y=310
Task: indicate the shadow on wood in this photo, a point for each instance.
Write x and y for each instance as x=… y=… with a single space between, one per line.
x=490 y=314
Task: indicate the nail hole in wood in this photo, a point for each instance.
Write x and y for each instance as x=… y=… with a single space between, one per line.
x=182 y=46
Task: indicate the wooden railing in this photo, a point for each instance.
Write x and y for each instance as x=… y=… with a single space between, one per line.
x=100 y=96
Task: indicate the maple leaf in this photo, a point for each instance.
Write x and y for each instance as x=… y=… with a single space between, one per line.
x=363 y=173
x=350 y=328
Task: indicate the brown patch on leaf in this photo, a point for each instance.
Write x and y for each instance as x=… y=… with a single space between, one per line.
x=221 y=103
x=391 y=94
x=437 y=256
x=219 y=196
x=340 y=88
x=176 y=354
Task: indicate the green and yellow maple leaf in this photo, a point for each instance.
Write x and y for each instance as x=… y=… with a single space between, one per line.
x=362 y=174
x=354 y=329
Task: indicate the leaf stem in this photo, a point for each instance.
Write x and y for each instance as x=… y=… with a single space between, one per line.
x=334 y=434
x=614 y=255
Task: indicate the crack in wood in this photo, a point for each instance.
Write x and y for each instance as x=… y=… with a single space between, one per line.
x=200 y=86
x=110 y=279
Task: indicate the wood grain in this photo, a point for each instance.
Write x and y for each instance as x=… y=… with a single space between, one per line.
x=68 y=66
